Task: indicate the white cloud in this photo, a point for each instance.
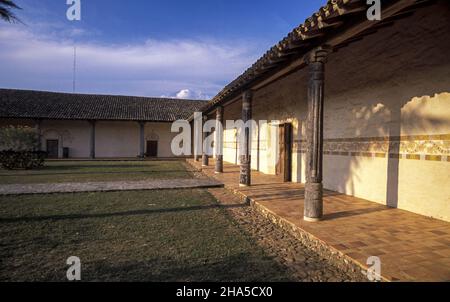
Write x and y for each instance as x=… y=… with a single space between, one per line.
x=191 y=94
x=184 y=94
x=194 y=68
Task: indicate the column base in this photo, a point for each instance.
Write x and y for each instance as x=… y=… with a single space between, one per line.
x=313 y=206
x=243 y=185
x=205 y=161
x=219 y=164
x=308 y=219
x=245 y=174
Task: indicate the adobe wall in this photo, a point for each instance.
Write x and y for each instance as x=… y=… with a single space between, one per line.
x=113 y=139
x=387 y=116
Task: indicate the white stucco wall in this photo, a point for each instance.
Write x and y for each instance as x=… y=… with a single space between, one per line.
x=113 y=139
x=74 y=135
x=160 y=132
x=391 y=86
x=117 y=139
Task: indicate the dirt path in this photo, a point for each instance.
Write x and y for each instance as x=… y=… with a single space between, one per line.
x=20 y=189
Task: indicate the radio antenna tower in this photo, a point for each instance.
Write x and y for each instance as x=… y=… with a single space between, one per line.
x=74 y=67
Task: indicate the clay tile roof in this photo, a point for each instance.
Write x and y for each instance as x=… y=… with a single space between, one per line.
x=325 y=23
x=52 y=105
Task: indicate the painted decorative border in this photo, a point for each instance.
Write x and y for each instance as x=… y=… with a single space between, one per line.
x=413 y=147
x=419 y=147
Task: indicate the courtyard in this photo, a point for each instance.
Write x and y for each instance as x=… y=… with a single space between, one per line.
x=199 y=234
x=87 y=171
x=225 y=142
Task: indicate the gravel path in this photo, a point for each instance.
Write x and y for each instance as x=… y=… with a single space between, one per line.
x=303 y=263
x=20 y=189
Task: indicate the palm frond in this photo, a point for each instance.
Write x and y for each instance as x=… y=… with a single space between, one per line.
x=9 y=3
x=5 y=11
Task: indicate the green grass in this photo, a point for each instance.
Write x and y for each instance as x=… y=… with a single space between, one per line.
x=84 y=171
x=177 y=235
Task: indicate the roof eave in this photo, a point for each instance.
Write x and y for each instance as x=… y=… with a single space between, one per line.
x=337 y=24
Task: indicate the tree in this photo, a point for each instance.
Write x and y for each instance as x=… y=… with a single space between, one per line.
x=18 y=138
x=6 y=7
x=18 y=147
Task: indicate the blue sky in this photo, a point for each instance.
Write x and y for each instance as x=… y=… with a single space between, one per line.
x=171 y=48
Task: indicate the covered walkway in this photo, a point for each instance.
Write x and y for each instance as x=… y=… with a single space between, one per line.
x=410 y=246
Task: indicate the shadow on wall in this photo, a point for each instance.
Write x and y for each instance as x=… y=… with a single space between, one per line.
x=374 y=96
x=383 y=119
x=385 y=93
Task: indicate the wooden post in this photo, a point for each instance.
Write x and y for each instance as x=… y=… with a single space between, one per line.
x=142 y=140
x=191 y=124
x=219 y=140
x=245 y=159
x=313 y=209
x=205 y=157
x=92 y=141
x=196 y=134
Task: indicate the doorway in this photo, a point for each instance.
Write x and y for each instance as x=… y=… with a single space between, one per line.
x=152 y=148
x=52 y=148
x=284 y=164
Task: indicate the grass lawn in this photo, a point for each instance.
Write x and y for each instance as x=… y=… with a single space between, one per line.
x=176 y=235
x=83 y=171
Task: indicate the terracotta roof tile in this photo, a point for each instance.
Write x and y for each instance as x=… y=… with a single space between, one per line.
x=52 y=105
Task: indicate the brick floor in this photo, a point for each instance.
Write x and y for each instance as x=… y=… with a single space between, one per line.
x=411 y=247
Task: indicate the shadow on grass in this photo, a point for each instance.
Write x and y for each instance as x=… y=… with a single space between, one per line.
x=118 y=214
x=98 y=172
x=243 y=267
x=99 y=166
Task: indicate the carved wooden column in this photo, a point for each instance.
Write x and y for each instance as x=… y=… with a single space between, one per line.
x=219 y=140
x=198 y=136
x=142 y=140
x=245 y=158
x=314 y=134
x=92 y=140
x=191 y=124
x=205 y=157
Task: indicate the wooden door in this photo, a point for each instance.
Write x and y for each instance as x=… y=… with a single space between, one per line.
x=152 y=148
x=280 y=163
x=284 y=164
x=288 y=152
x=52 y=148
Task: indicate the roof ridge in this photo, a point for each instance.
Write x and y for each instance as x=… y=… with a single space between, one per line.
x=101 y=95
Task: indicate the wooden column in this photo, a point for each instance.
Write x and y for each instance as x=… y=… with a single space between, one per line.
x=197 y=133
x=205 y=157
x=142 y=140
x=245 y=158
x=314 y=134
x=191 y=124
x=92 y=140
x=219 y=140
